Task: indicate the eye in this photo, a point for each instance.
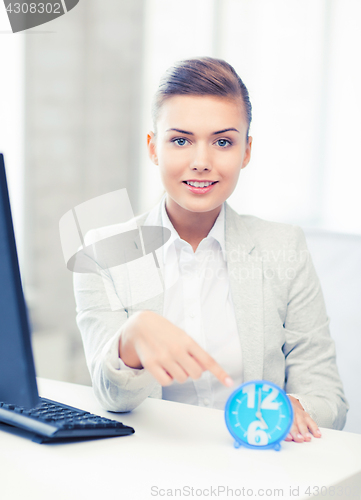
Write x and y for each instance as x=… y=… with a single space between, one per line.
x=223 y=143
x=180 y=141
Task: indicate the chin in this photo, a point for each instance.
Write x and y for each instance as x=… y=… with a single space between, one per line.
x=203 y=207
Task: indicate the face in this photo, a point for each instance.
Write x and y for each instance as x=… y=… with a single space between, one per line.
x=199 y=138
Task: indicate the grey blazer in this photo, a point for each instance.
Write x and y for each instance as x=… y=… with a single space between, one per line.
x=279 y=308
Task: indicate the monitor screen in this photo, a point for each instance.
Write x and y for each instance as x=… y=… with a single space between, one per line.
x=17 y=372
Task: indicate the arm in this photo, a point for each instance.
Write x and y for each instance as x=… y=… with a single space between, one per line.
x=114 y=344
x=312 y=377
x=117 y=387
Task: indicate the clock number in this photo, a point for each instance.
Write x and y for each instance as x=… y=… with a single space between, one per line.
x=255 y=434
x=250 y=390
x=268 y=402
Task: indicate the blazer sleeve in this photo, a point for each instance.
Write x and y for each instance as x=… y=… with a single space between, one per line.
x=311 y=371
x=117 y=387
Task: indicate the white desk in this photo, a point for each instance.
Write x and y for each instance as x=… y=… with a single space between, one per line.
x=174 y=446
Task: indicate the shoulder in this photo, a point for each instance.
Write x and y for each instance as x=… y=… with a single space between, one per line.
x=264 y=234
x=268 y=232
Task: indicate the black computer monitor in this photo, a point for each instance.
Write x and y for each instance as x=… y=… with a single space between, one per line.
x=17 y=372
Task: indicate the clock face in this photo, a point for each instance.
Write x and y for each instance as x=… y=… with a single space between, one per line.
x=259 y=414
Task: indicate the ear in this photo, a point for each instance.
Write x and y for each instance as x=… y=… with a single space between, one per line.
x=247 y=155
x=152 y=147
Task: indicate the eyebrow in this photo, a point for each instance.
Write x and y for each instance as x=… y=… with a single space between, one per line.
x=191 y=133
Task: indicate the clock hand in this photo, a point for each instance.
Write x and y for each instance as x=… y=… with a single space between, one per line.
x=258 y=412
x=265 y=426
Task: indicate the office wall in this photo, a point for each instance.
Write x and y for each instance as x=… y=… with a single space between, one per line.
x=299 y=62
x=12 y=120
x=82 y=111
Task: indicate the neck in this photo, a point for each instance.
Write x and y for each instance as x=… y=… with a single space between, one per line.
x=191 y=226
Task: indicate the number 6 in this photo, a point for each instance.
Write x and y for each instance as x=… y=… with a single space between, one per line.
x=254 y=431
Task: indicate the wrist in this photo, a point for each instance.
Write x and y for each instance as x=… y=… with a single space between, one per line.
x=295 y=401
x=126 y=350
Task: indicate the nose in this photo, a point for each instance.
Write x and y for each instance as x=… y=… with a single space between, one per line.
x=201 y=159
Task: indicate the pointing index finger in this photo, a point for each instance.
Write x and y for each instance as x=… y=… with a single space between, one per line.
x=208 y=363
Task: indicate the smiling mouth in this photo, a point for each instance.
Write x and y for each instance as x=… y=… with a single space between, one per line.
x=186 y=182
x=198 y=189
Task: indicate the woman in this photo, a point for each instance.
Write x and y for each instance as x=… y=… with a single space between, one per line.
x=246 y=303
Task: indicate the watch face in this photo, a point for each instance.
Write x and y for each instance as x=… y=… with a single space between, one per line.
x=259 y=414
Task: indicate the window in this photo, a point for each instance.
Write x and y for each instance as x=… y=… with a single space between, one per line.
x=299 y=61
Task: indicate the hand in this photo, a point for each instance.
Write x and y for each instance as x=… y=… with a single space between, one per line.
x=302 y=424
x=150 y=341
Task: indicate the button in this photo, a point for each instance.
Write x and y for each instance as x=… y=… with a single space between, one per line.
x=192 y=313
x=206 y=402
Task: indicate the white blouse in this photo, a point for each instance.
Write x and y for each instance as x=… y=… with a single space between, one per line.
x=200 y=303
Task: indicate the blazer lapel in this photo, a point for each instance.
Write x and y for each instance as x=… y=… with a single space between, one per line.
x=245 y=272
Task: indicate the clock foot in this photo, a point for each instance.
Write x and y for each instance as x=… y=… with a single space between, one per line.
x=236 y=444
x=277 y=446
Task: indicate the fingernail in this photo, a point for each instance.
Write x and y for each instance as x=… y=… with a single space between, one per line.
x=308 y=435
x=289 y=436
x=318 y=432
x=299 y=436
x=228 y=381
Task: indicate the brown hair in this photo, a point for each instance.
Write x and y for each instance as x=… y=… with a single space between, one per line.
x=201 y=76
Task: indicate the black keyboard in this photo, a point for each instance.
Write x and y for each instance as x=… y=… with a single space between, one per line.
x=51 y=421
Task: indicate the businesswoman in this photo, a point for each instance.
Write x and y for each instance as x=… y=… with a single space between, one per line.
x=246 y=303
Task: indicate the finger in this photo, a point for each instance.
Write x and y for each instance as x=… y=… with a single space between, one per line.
x=208 y=363
x=306 y=424
x=303 y=427
x=192 y=367
x=175 y=371
x=294 y=431
x=161 y=375
x=313 y=427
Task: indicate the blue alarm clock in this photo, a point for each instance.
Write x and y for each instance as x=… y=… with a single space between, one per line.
x=259 y=414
